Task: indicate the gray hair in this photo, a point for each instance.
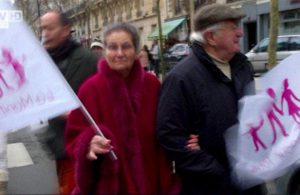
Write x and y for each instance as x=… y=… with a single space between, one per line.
x=130 y=29
x=197 y=36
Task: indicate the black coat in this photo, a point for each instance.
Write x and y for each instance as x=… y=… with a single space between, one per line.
x=76 y=64
x=197 y=98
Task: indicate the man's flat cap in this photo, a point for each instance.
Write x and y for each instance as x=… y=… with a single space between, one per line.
x=211 y=14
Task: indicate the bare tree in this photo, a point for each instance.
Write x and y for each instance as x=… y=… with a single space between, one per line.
x=162 y=63
x=273 y=33
x=88 y=13
x=26 y=7
x=33 y=9
x=192 y=11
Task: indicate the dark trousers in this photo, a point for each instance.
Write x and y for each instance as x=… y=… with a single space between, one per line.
x=155 y=66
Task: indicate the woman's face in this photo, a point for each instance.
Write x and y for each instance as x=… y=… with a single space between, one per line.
x=120 y=52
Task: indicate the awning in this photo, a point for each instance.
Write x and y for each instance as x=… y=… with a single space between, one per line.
x=167 y=28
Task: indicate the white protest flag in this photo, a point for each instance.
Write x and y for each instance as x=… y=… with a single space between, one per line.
x=31 y=87
x=265 y=144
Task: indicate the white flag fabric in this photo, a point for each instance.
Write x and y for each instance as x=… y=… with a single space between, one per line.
x=31 y=86
x=265 y=144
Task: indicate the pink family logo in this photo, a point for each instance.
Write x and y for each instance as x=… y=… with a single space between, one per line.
x=272 y=115
x=12 y=75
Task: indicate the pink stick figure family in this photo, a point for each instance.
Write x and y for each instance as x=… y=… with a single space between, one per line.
x=291 y=100
x=12 y=75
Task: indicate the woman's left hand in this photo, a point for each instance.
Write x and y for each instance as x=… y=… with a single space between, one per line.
x=193 y=143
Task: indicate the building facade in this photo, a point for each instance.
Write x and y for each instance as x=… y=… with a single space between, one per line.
x=91 y=17
x=256 y=24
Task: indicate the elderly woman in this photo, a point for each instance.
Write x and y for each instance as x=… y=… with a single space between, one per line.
x=122 y=99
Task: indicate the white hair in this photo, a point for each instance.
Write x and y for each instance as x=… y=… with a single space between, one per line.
x=197 y=36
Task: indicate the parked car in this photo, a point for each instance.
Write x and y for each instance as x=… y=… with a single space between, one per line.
x=286 y=45
x=176 y=53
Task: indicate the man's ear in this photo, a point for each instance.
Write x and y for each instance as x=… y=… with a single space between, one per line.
x=66 y=31
x=209 y=37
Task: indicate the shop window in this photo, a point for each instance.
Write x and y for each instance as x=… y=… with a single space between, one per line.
x=289 y=22
x=177 y=7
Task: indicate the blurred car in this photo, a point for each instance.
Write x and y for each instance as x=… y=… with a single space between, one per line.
x=176 y=53
x=286 y=45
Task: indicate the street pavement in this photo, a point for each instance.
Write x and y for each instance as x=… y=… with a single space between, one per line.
x=30 y=166
x=257 y=84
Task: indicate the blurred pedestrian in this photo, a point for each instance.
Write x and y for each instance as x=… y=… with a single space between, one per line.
x=145 y=58
x=122 y=99
x=155 y=55
x=97 y=48
x=200 y=96
x=76 y=64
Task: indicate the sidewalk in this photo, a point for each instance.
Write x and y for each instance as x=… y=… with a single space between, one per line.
x=30 y=167
x=257 y=84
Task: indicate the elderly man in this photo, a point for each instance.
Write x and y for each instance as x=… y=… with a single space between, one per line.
x=199 y=96
x=76 y=64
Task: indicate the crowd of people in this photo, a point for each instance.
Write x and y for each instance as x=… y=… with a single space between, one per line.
x=168 y=139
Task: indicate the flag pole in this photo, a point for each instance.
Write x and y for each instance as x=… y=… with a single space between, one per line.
x=82 y=107
x=95 y=127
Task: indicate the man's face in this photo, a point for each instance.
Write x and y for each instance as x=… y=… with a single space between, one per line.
x=227 y=38
x=98 y=51
x=53 y=32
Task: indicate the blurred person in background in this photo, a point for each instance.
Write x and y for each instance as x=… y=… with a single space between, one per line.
x=155 y=55
x=76 y=64
x=145 y=58
x=97 y=48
